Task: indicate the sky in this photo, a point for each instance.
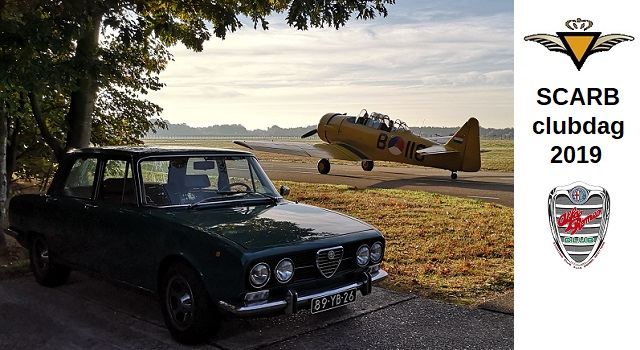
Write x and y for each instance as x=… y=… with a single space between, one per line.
x=428 y=63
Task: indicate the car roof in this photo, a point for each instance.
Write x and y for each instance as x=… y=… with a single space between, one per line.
x=146 y=151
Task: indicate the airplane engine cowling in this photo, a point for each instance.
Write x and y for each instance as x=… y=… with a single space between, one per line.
x=329 y=126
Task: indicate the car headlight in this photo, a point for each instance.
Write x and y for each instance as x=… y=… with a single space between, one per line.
x=284 y=270
x=376 y=252
x=259 y=275
x=362 y=255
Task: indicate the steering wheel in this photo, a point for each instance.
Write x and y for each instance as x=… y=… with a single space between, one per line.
x=229 y=186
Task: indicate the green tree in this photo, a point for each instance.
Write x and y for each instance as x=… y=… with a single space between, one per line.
x=87 y=62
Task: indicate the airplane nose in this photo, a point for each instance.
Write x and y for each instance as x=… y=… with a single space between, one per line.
x=328 y=126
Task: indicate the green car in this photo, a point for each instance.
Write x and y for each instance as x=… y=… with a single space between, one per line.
x=204 y=230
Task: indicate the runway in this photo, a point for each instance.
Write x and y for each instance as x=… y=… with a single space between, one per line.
x=489 y=186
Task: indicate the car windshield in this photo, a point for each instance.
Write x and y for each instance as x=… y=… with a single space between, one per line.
x=194 y=180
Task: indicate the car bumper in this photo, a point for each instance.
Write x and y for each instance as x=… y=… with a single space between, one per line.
x=294 y=302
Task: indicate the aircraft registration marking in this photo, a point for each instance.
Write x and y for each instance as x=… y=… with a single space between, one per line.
x=396 y=145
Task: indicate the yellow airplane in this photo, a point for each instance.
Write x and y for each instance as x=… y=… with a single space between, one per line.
x=374 y=137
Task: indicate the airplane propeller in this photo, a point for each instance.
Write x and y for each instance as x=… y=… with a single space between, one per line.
x=310 y=133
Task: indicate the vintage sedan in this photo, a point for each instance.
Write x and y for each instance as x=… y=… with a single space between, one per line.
x=204 y=230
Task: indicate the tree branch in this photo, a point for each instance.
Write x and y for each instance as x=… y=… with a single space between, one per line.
x=40 y=119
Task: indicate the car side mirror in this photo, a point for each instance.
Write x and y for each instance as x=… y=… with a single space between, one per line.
x=284 y=191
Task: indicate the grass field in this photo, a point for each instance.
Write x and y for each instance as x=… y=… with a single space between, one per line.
x=439 y=247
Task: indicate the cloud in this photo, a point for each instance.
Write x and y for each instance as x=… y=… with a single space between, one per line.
x=462 y=55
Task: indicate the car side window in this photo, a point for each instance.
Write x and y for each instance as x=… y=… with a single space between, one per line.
x=79 y=182
x=155 y=176
x=117 y=183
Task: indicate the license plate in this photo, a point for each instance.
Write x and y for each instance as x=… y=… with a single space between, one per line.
x=333 y=301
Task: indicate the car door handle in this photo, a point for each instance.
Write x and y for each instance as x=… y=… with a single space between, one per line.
x=90 y=206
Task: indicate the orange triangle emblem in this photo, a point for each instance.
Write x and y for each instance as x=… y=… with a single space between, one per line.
x=579 y=45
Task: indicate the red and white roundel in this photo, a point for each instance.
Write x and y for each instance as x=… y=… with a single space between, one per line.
x=396 y=145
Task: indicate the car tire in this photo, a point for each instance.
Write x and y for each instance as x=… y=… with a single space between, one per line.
x=45 y=271
x=188 y=311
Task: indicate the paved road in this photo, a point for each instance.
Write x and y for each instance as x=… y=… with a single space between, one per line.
x=90 y=314
x=496 y=187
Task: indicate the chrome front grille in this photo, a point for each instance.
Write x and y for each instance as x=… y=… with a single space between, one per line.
x=580 y=245
x=328 y=260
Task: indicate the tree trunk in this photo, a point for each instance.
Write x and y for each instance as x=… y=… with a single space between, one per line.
x=12 y=149
x=83 y=98
x=3 y=174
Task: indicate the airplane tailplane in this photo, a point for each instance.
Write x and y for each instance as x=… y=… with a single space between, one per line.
x=466 y=141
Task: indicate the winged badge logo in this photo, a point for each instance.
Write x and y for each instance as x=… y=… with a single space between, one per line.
x=578 y=44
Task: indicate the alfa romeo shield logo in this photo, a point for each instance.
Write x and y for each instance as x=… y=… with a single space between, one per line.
x=578 y=215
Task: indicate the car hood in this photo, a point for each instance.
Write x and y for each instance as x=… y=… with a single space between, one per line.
x=261 y=226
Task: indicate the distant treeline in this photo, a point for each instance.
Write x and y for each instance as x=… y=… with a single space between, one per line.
x=237 y=130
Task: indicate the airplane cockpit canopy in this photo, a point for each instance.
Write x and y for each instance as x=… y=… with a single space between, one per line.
x=379 y=121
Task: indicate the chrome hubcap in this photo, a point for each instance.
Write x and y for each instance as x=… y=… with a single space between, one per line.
x=180 y=302
x=41 y=255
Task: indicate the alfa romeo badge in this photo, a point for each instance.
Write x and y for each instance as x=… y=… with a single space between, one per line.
x=578 y=215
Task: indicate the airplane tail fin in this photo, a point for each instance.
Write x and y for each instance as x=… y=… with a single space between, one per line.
x=466 y=141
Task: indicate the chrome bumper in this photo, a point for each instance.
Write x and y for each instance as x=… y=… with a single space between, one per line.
x=293 y=302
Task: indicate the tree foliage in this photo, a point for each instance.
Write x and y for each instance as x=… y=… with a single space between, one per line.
x=75 y=72
x=84 y=65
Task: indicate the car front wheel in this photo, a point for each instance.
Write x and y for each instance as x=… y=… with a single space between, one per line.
x=188 y=311
x=45 y=271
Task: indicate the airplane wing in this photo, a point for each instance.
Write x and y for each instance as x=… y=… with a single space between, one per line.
x=318 y=150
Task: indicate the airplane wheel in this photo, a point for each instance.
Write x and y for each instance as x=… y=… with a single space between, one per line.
x=367 y=165
x=454 y=176
x=324 y=166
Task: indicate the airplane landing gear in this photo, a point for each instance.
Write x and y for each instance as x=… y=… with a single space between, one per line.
x=324 y=166
x=454 y=175
x=367 y=165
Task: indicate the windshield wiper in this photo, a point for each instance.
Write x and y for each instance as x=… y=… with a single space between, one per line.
x=232 y=194
x=226 y=195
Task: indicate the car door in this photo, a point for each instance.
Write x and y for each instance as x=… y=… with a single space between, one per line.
x=71 y=221
x=121 y=231
x=97 y=201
